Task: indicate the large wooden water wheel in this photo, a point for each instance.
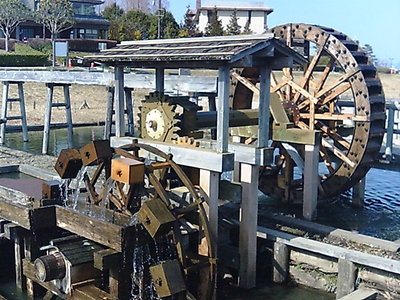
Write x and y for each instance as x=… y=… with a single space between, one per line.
x=338 y=69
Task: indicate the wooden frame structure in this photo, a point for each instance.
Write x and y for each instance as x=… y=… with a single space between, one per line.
x=223 y=54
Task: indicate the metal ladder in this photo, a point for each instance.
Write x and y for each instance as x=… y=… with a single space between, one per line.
x=6 y=101
x=47 y=116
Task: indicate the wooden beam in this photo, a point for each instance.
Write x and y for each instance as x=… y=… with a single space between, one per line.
x=91 y=292
x=365 y=259
x=105 y=233
x=106 y=259
x=336 y=117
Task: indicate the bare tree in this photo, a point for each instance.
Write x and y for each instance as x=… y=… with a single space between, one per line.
x=12 y=13
x=57 y=16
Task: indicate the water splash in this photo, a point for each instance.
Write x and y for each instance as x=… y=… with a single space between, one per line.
x=77 y=187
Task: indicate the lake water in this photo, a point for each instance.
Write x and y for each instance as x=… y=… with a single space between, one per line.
x=380 y=217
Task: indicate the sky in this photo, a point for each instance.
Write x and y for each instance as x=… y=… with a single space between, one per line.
x=370 y=22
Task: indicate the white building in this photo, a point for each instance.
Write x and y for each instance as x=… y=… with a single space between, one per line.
x=253 y=12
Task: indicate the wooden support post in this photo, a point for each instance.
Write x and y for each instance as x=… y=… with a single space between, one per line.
x=311 y=182
x=15 y=233
x=359 y=193
x=288 y=171
x=119 y=101
x=23 y=111
x=248 y=226
x=109 y=113
x=347 y=274
x=280 y=262
x=129 y=110
x=212 y=107
x=222 y=106
x=31 y=253
x=67 y=101
x=389 y=135
x=160 y=80
x=264 y=101
x=19 y=255
x=209 y=181
x=47 y=118
x=6 y=88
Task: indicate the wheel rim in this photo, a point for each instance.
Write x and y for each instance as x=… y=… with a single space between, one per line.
x=315 y=95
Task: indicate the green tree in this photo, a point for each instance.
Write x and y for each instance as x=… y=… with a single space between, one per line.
x=12 y=13
x=233 y=27
x=113 y=14
x=370 y=52
x=246 y=29
x=214 y=28
x=135 y=25
x=57 y=16
x=188 y=28
x=170 y=28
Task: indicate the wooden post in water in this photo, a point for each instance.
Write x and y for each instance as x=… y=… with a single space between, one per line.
x=280 y=262
x=47 y=117
x=129 y=110
x=67 y=101
x=359 y=194
x=109 y=113
x=119 y=101
x=4 y=112
x=21 y=100
x=347 y=274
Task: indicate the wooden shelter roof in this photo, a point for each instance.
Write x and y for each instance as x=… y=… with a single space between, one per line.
x=192 y=52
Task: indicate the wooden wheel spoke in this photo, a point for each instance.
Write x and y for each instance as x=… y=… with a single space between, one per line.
x=280 y=85
x=274 y=83
x=338 y=153
x=336 y=93
x=327 y=160
x=335 y=117
x=159 y=190
x=333 y=135
x=309 y=71
x=302 y=91
x=247 y=83
x=324 y=75
x=334 y=85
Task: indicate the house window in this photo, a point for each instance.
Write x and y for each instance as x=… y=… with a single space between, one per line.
x=89 y=10
x=84 y=9
x=81 y=33
x=92 y=34
x=209 y=15
x=77 y=8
